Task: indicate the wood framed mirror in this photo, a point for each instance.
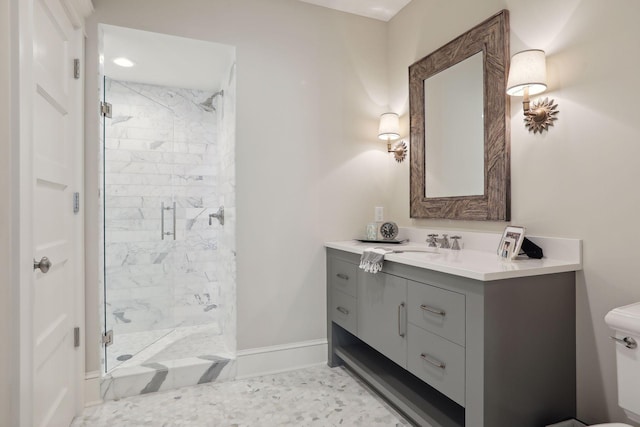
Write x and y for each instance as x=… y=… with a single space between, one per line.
x=460 y=148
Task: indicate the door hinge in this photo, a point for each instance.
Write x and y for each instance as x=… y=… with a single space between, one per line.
x=107 y=338
x=76 y=202
x=76 y=336
x=76 y=68
x=105 y=109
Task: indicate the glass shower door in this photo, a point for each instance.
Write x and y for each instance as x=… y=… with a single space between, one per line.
x=161 y=253
x=140 y=217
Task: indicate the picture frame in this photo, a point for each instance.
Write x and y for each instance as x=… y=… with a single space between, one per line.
x=511 y=242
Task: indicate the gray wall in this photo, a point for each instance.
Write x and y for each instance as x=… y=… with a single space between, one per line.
x=578 y=180
x=311 y=84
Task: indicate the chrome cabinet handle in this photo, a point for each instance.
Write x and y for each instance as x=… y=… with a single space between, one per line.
x=433 y=361
x=44 y=264
x=342 y=276
x=343 y=310
x=400 y=309
x=626 y=341
x=433 y=310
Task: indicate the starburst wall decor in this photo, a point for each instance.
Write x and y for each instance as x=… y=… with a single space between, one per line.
x=541 y=115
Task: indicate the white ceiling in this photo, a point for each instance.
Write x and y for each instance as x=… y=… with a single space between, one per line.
x=165 y=60
x=383 y=10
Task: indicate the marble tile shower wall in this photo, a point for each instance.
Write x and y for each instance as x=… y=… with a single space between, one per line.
x=160 y=146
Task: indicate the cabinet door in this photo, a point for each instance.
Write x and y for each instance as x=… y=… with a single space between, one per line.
x=382 y=314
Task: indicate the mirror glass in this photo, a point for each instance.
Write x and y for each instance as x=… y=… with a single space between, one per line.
x=454 y=136
x=459 y=116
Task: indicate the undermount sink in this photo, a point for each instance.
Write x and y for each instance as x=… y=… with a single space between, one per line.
x=401 y=251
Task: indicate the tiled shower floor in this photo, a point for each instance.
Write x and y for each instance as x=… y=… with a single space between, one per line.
x=316 y=396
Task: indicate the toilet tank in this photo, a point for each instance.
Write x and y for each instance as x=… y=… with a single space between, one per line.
x=626 y=323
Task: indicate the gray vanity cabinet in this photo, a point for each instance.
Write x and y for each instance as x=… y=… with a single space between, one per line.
x=382 y=314
x=448 y=351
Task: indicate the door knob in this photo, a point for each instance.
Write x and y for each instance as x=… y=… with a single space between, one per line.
x=44 y=264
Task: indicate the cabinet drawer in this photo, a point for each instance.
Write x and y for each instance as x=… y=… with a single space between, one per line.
x=438 y=362
x=343 y=276
x=343 y=311
x=437 y=310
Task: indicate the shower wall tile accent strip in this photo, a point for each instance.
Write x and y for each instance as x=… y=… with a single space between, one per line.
x=161 y=146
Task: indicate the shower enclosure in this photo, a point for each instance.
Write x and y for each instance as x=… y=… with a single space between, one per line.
x=169 y=260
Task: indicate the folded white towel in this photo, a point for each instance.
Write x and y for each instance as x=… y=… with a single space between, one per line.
x=372 y=258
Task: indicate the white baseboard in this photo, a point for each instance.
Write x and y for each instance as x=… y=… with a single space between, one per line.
x=256 y=362
x=92 y=388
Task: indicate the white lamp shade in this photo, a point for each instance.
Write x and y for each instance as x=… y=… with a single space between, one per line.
x=389 y=126
x=528 y=70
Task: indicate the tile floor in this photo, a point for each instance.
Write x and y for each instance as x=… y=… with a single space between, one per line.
x=315 y=396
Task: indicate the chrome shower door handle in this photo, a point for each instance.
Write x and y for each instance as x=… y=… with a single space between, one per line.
x=174 y=220
x=162 y=220
x=168 y=233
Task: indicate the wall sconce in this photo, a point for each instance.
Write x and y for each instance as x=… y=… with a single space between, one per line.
x=389 y=130
x=528 y=76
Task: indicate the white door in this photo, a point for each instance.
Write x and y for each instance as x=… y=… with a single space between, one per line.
x=53 y=303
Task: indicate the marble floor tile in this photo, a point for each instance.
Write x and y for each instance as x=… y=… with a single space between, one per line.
x=315 y=396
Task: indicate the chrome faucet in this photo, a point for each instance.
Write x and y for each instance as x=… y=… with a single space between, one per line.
x=444 y=242
x=432 y=240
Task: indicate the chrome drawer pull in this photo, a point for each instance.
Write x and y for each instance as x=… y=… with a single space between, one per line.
x=342 y=276
x=626 y=341
x=343 y=310
x=433 y=310
x=434 y=362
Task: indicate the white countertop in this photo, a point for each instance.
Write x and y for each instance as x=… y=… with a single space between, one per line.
x=474 y=264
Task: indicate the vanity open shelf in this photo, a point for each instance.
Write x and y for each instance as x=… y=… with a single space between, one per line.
x=448 y=350
x=405 y=391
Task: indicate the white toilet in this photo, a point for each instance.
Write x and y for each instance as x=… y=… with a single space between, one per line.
x=626 y=323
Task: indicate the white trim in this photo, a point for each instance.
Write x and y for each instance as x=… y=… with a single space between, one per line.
x=79 y=220
x=255 y=362
x=22 y=218
x=77 y=11
x=92 y=388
